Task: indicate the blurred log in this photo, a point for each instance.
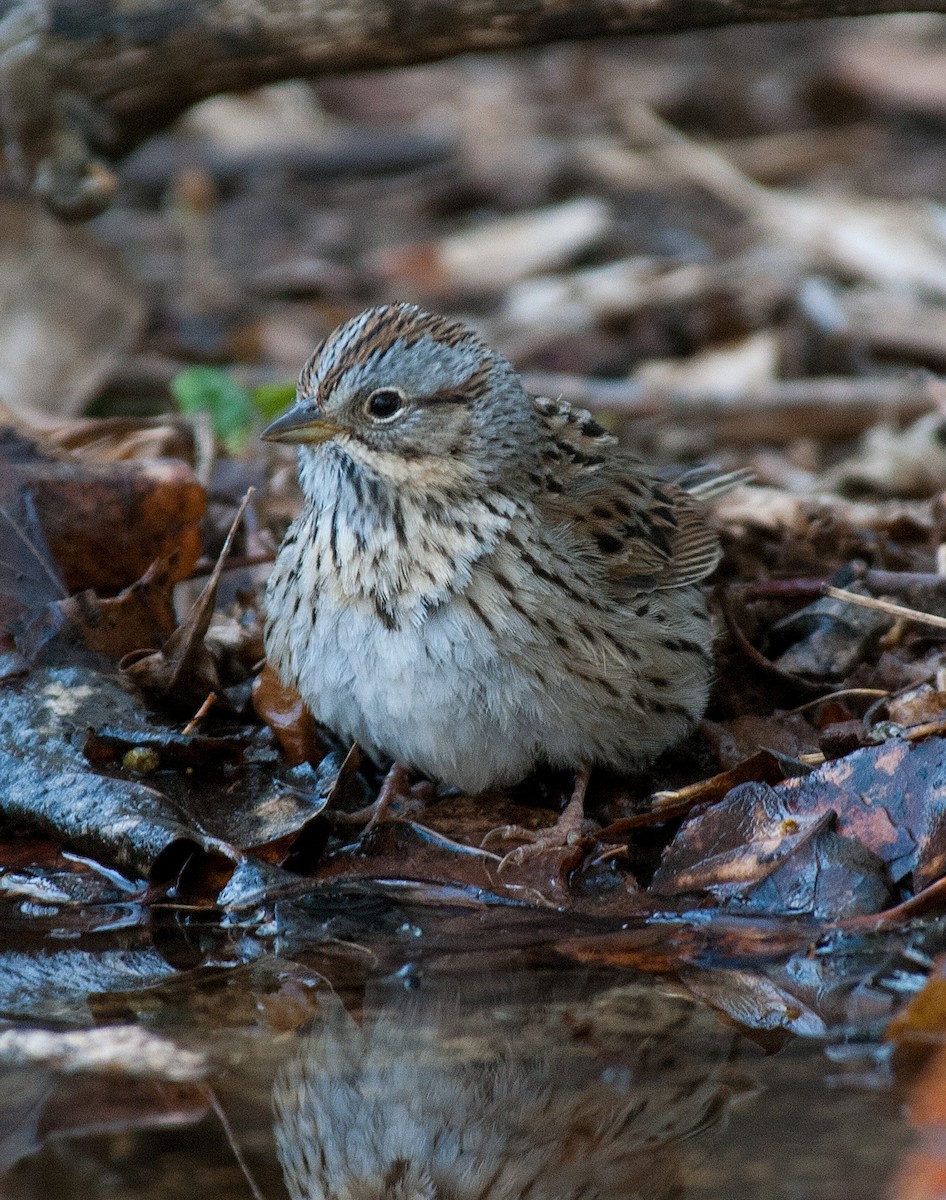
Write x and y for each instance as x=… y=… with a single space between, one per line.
x=778 y=412
x=82 y=81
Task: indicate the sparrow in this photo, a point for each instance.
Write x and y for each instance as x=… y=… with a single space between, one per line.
x=480 y=580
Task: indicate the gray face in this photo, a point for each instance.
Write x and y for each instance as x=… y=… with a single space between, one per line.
x=398 y=381
x=414 y=399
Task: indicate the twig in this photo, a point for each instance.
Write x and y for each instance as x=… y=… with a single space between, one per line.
x=200 y=714
x=755 y=656
x=843 y=694
x=886 y=606
x=236 y=562
x=234 y=1144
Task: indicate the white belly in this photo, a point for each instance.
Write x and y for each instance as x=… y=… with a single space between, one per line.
x=479 y=690
x=441 y=699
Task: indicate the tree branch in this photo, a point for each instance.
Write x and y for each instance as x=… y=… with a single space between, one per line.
x=81 y=80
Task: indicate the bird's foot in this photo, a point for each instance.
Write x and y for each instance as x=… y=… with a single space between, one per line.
x=395 y=791
x=568 y=831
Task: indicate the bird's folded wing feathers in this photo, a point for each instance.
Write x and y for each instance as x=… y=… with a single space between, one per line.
x=651 y=533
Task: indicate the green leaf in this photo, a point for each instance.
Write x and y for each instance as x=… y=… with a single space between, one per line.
x=271 y=398
x=210 y=390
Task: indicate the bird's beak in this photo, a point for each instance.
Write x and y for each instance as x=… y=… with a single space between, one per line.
x=300 y=426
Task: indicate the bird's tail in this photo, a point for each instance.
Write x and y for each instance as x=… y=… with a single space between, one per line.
x=707 y=483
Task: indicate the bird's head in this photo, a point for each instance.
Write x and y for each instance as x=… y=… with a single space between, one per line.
x=407 y=394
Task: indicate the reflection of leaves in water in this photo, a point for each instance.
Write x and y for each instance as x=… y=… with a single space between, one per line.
x=22 y=1096
x=417 y=1104
x=55 y=985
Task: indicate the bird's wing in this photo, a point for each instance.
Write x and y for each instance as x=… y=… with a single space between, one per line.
x=651 y=533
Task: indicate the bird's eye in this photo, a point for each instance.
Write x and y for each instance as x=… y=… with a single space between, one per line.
x=385 y=403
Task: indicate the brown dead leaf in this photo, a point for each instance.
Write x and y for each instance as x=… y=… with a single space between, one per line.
x=283 y=710
x=734 y=844
x=140 y=616
x=105 y=523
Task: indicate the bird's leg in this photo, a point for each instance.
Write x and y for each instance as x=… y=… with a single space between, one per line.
x=567 y=830
x=395 y=785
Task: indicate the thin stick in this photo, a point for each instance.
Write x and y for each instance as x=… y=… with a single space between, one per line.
x=234 y=1144
x=843 y=694
x=204 y=566
x=886 y=606
x=200 y=714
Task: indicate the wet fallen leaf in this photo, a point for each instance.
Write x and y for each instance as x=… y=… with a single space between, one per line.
x=283 y=710
x=756 y=851
x=887 y=798
x=46 y=784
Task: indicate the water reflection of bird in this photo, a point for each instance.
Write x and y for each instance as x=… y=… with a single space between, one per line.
x=417 y=1104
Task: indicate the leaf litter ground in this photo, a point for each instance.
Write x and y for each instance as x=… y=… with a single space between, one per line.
x=743 y=288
